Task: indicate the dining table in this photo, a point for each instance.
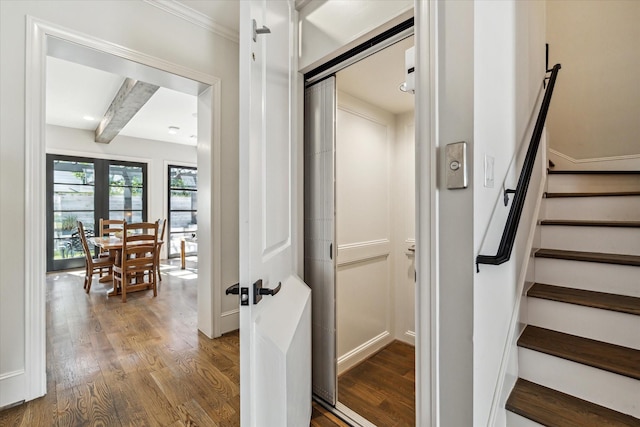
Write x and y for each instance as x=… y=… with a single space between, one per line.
x=113 y=244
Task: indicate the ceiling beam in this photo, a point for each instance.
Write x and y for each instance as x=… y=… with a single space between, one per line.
x=131 y=96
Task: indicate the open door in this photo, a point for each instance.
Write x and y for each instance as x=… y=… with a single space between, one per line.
x=275 y=304
x=320 y=232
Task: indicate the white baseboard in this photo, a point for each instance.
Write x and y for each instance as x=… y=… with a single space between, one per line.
x=363 y=351
x=229 y=321
x=408 y=337
x=12 y=385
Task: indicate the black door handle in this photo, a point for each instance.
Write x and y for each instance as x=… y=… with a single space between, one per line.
x=258 y=291
x=233 y=290
x=267 y=291
x=237 y=290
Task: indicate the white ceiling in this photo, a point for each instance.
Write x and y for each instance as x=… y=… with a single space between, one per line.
x=75 y=91
x=376 y=79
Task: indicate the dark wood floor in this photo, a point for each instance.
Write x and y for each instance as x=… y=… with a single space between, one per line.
x=382 y=388
x=134 y=364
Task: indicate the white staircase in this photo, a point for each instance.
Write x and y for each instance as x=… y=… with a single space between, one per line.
x=579 y=356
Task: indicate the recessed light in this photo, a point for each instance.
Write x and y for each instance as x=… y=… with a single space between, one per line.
x=89 y=118
x=173 y=130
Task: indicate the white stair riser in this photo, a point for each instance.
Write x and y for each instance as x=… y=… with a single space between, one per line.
x=589 y=183
x=593 y=276
x=612 y=208
x=615 y=240
x=515 y=420
x=588 y=322
x=604 y=388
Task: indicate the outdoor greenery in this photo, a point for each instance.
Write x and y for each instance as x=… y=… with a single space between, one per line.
x=69 y=223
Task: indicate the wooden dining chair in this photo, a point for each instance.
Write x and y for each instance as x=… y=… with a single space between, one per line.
x=160 y=243
x=92 y=265
x=137 y=268
x=108 y=228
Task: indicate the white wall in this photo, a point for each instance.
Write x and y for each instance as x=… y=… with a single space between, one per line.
x=135 y=25
x=404 y=227
x=374 y=221
x=508 y=72
x=595 y=113
x=364 y=310
x=156 y=154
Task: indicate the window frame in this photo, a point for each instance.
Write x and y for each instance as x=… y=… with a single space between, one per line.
x=170 y=210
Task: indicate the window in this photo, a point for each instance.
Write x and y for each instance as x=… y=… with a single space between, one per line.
x=86 y=189
x=183 y=209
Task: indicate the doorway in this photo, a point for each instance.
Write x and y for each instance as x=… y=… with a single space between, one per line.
x=49 y=39
x=371 y=191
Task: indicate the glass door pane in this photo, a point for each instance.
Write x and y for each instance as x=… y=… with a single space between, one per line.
x=71 y=200
x=126 y=192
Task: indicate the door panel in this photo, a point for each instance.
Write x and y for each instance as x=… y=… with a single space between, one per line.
x=319 y=231
x=275 y=331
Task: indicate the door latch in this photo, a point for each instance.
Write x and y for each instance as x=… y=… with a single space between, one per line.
x=258 y=291
x=237 y=290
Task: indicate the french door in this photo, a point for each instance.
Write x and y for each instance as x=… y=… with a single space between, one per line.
x=87 y=189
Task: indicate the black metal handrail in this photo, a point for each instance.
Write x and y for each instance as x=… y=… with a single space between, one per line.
x=511 y=226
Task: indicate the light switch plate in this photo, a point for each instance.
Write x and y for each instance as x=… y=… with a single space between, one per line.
x=488 y=171
x=456 y=165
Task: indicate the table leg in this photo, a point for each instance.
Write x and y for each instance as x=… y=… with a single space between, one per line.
x=183 y=260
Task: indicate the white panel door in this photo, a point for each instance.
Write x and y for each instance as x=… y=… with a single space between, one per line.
x=275 y=330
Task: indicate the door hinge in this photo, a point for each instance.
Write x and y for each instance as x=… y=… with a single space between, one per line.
x=256 y=30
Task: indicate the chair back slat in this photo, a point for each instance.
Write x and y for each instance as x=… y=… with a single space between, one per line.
x=110 y=226
x=138 y=259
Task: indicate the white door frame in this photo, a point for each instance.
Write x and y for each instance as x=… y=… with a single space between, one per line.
x=38 y=33
x=428 y=381
x=426 y=259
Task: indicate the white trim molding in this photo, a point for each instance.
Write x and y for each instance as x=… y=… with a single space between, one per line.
x=362 y=251
x=625 y=162
x=34 y=233
x=8 y=375
x=196 y=18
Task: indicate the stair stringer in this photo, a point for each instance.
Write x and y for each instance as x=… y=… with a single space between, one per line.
x=508 y=373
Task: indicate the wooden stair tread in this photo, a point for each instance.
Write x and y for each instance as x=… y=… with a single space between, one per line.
x=609 y=357
x=589 y=256
x=593 y=172
x=556 y=409
x=602 y=300
x=593 y=194
x=590 y=223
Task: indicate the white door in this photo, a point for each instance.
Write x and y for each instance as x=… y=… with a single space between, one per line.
x=275 y=331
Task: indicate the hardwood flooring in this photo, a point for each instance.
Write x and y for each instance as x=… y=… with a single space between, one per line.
x=382 y=388
x=140 y=363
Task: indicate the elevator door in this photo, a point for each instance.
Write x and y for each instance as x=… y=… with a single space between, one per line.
x=319 y=231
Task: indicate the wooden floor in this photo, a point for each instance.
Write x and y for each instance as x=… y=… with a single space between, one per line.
x=382 y=388
x=134 y=364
